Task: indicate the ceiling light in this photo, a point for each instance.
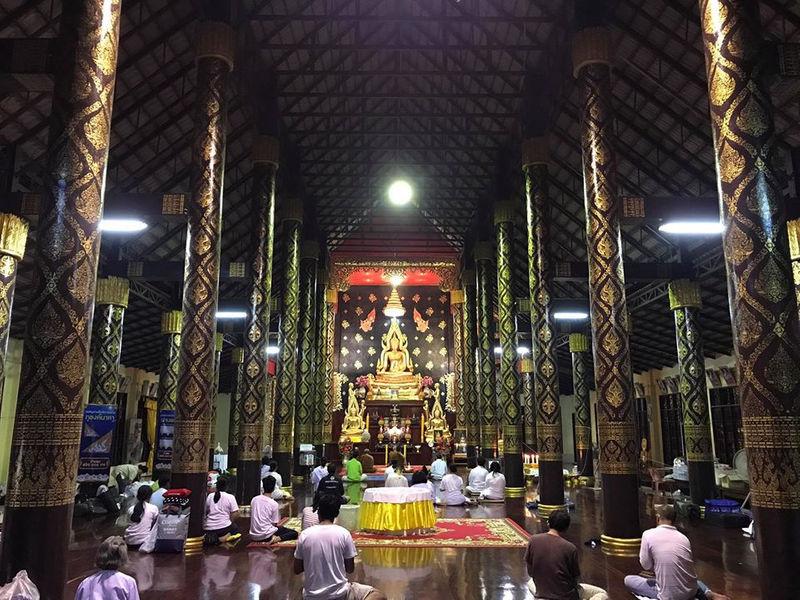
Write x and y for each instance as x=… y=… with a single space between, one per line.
x=231 y=314
x=498 y=349
x=122 y=225
x=273 y=350
x=400 y=192
x=522 y=350
x=396 y=280
x=692 y=227
x=570 y=315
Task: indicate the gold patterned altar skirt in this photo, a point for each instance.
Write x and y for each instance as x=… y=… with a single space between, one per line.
x=397 y=519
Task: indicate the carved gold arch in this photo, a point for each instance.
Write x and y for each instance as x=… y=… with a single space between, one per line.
x=446 y=270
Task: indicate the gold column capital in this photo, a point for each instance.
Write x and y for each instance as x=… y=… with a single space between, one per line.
x=331 y=295
x=292 y=210
x=578 y=342
x=171 y=321
x=112 y=290
x=237 y=356
x=215 y=40
x=504 y=212
x=484 y=251
x=13 y=234
x=590 y=46
x=266 y=150
x=456 y=296
x=535 y=151
x=684 y=293
x=794 y=238
x=309 y=250
x=525 y=365
x=219 y=341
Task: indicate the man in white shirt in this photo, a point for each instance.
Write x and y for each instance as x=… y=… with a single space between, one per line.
x=326 y=554
x=477 y=477
x=318 y=473
x=390 y=470
x=265 y=468
x=438 y=468
x=278 y=494
x=265 y=516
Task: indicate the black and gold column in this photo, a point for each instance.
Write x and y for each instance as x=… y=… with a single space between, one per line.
x=549 y=442
x=526 y=401
x=484 y=255
x=219 y=343
x=331 y=300
x=235 y=412
x=579 y=349
x=110 y=300
x=508 y=401
x=214 y=53
x=684 y=301
x=13 y=233
x=612 y=363
x=306 y=385
x=253 y=395
x=766 y=333
x=320 y=329
x=457 y=395
x=470 y=373
x=47 y=429
x=171 y=323
x=286 y=390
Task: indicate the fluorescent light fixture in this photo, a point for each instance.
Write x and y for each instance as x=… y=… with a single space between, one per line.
x=692 y=227
x=498 y=349
x=122 y=225
x=400 y=192
x=273 y=350
x=231 y=314
x=522 y=350
x=570 y=315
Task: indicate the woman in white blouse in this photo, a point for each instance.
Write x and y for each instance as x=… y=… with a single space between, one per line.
x=495 y=490
x=143 y=517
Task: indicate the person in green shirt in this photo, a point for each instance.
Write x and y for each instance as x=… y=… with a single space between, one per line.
x=354 y=469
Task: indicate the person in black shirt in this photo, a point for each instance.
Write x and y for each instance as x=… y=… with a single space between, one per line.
x=330 y=484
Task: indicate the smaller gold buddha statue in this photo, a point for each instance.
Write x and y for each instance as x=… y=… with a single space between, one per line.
x=354 y=424
x=435 y=421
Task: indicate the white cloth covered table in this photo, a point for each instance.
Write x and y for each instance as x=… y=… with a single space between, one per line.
x=397 y=495
x=397 y=510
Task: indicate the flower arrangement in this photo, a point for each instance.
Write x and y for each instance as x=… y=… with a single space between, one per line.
x=362 y=381
x=427 y=382
x=345 y=447
x=442 y=446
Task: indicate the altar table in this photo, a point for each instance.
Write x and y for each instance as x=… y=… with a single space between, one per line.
x=397 y=511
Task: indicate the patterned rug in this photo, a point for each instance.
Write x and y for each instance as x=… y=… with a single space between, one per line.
x=449 y=533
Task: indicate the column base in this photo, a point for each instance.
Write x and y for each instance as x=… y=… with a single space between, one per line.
x=626 y=547
x=198 y=484
x=248 y=482
x=515 y=492
x=551 y=482
x=285 y=464
x=515 y=478
x=544 y=510
x=487 y=453
x=193 y=545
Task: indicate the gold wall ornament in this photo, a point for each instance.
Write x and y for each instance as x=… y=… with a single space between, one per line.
x=265 y=149
x=456 y=297
x=341 y=270
x=13 y=234
x=591 y=46
x=112 y=290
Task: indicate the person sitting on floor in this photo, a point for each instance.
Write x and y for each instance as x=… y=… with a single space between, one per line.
x=367 y=462
x=265 y=516
x=438 y=468
x=221 y=513
x=477 y=477
x=668 y=552
x=279 y=493
x=143 y=517
x=158 y=496
x=495 y=490
x=451 y=487
x=109 y=582
x=552 y=562
x=326 y=554
x=395 y=456
x=421 y=479
x=354 y=469
x=265 y=467
x=391 y=469
x=395 y=477
x=318 y=473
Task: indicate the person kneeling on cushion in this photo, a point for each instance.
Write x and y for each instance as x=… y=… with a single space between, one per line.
x=265 y=515
x=221 y=513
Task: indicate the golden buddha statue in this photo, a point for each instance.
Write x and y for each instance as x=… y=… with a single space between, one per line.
x=394 y=378
x=435 y=421
x=353 y=425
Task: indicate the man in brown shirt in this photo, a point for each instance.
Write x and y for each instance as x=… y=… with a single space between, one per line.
x=552 y=563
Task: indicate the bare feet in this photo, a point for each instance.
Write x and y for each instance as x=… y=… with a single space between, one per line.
x=715 y=596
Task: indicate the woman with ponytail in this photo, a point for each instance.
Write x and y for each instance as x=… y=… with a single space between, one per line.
x=143 y=516
x=221 y=512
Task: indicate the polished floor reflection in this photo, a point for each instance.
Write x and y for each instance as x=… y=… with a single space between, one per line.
x=725 y=560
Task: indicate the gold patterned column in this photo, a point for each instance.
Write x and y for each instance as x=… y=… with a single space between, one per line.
x=508 y=401
x=214 y=51
x=612 y=362
x=684 y=301
x=526 y=401
x=219 y=343
x=320 y=329
x=457 y=310
x=47 y=429
x=470 y=372
x=304 y=409
x=235 y=414
x=766 y=333
x=171 y=323
x=286 y=390
x=331 y=393
x=253 y=395
x=794 y=254
x=484 y=254
x=549 y=442
x=579 y=349
x=13 y=233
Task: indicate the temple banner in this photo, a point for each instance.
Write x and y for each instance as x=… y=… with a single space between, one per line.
x=95 y=449
x=166 y=429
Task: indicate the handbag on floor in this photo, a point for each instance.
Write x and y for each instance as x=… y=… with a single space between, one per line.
x=20 y=588
x=172 y=525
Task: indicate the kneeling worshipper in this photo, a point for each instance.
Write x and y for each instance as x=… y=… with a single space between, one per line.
x=110 y=581
x=476 y=482
x=318 y=473
x=221 y=512
x=451 y=487
x=396 y=480
x=420 y=480
x=495 y=490
x=367 y=462
x=279 y=493
x=330 y=484
x=355 y=472
x=391 y=469
x=143 y=517
x=265 y=516
x=438 y=468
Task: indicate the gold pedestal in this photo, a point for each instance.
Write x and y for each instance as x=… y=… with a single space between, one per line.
x=515 y=492
x=193 y=545
x=544 y=510
x=612 y=546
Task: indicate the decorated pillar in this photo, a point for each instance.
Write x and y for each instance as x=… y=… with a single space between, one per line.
x=331 y=393
x=320 y=329
x=253 y=394
x=469 y=371
x=171 y=323
x=219 y=343
x=684 y=301
x=508 y=401
x=235 y=414
x=579 y=349
x=286 y=391
x=549 y=441
x=306 y=388
x=13 y=233
x=214 y=51
x=457 y=395
x=766 y=334
x=612 y=362
x=486 y=361
x=526 y=401
x=47 y=429
x=794 y=255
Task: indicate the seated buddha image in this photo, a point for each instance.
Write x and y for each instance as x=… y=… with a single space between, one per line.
x=395 y=360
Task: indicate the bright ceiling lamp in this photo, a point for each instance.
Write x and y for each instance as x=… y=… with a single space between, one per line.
x=231 y=314
x=396 y=279
x=273 y=350
x=394 y=308
x=400 y=192
x=522 y=350
x=692 y=227
x=498 y=349
x=570 y=315
x=122 y=225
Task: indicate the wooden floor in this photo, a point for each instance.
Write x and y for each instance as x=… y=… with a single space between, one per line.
x=725 y=561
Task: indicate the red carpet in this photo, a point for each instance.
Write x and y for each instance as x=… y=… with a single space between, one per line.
x=450 y=533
